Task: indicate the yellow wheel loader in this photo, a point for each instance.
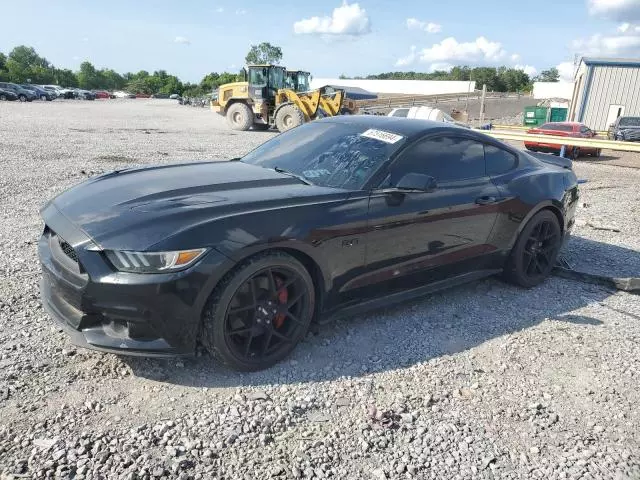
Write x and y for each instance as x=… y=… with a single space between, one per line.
x=264 y=101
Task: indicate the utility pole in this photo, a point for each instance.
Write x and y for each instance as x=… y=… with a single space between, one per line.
x=484 y=93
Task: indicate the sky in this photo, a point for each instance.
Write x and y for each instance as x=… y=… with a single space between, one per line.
x=328 y=37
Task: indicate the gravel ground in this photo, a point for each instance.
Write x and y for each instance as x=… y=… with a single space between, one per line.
x=482 y=381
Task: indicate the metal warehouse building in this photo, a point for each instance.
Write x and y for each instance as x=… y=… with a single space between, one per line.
x=605 y=89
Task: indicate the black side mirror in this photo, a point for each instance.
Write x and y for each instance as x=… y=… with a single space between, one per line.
x=417 y=182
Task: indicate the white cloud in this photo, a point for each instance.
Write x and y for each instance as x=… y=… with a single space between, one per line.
x=528 y=69
x=429 y=27
x=181 y=40
x=440 y=66
x=620 y=45
x=451 y=50
x=622 y=10
x=515 y=57
x=85 y=39
x=241 y=11
x=348 y=19
x=220 y=10
x=628 y=28
x=408 y=59
x=566 y=71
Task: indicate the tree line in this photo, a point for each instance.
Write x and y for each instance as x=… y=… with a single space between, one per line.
x=501 y=79
x=24 y=65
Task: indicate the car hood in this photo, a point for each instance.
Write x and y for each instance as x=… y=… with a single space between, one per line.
x=134 y=209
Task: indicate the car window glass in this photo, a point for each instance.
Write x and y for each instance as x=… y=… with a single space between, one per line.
x=557 y=126
x=329 y=154
x=444 y=158
x=498 y=161
x=629 y=122
x=401 y=112
x=584 y=130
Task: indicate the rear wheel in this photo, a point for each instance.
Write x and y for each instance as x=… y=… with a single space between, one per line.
x=259 y=312
x=534 y=255
x=240 y=116
x=3 y=97
x=288 y=117
x=22 y=98
x=597 y=153
x=575 y=153
x=43 y=98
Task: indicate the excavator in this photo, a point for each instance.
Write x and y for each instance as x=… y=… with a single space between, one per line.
x=265 y=100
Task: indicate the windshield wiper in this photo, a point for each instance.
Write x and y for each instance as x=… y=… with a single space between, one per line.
x=294 y=175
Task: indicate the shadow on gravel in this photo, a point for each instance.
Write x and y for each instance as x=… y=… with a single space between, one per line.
x=398 y=337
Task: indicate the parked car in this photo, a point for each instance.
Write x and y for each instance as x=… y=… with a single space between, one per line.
x=23 y=94
x=143 y=95
x=425 y=113
x=121 y=94
x=340 y=214
x=174 y=96
x=562 y=129
x=9 y=95
x=65 y=93
x=101 y=94
x=626 y=129
x=81 y=94
x=160 y=95
x=40 y=92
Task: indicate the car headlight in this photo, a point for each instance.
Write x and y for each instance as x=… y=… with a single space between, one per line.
x=153 y=262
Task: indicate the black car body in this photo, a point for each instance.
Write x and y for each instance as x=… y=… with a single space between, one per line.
x=626 y=129
x=9 y=95
x=23 y=94
x=40 y=92
x=376 y=226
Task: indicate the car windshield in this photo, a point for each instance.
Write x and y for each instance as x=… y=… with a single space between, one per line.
x=561 y=127
x=630 y=122
x=329 y=154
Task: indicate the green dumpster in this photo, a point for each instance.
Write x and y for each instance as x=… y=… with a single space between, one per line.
x=535 y=116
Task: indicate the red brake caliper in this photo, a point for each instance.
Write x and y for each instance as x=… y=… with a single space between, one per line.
x=283 y=297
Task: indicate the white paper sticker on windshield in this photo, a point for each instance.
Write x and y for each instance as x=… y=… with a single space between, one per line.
x=381 y=135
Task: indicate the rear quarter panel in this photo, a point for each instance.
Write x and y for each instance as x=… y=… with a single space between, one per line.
x=525 y=192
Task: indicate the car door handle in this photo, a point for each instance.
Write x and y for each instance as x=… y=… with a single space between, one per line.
x=486 y=200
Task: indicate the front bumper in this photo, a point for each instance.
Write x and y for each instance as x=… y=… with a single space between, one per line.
x=117 y=312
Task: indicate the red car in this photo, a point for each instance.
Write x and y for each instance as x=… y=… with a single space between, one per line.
x=563 y=129
x=101 y=94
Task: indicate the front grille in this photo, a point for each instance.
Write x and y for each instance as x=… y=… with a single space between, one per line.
x=68 y=250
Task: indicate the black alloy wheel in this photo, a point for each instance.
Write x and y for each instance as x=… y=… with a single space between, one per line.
x=259 y=313
x=536 y=250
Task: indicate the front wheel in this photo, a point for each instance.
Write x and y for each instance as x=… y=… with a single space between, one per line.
x=534 y=255
x=22 y=98
x=288 y=117
x=3 y=97
x=575 y=153
x=43 y=98
x=259 y=312
x=240 y=116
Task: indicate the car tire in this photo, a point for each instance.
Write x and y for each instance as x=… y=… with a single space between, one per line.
x=575 y=153
x=288 y=117
x=243 y=340
x=240 y=116
x=534 y=254
x=3 y=97
x=43 y=98
x=597 y=153
x=22 y=98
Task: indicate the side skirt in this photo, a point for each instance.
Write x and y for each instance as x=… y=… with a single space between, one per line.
x=403 y=296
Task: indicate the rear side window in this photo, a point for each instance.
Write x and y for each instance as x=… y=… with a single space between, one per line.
x=401 y=112
x=444 y=158
x=498 y=161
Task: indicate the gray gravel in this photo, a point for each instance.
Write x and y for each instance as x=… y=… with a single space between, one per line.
x=482 y=381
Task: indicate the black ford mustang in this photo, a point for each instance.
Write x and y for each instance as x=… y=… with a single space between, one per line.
x=333 y=216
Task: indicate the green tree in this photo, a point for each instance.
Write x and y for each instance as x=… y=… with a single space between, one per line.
x=24 y=64
x=110 y=79
x=65 y=78
x=4 y=75
x=551 y=75
x=460 y=73
x=88 y=77
x=514 y=80
x=485 y=76
x=264 y=53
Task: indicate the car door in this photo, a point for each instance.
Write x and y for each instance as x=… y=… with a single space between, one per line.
x=437 y=233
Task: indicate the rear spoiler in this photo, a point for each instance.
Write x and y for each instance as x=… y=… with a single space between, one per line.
x=554 y=160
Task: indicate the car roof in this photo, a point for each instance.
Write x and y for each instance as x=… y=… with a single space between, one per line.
x=408 y=127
